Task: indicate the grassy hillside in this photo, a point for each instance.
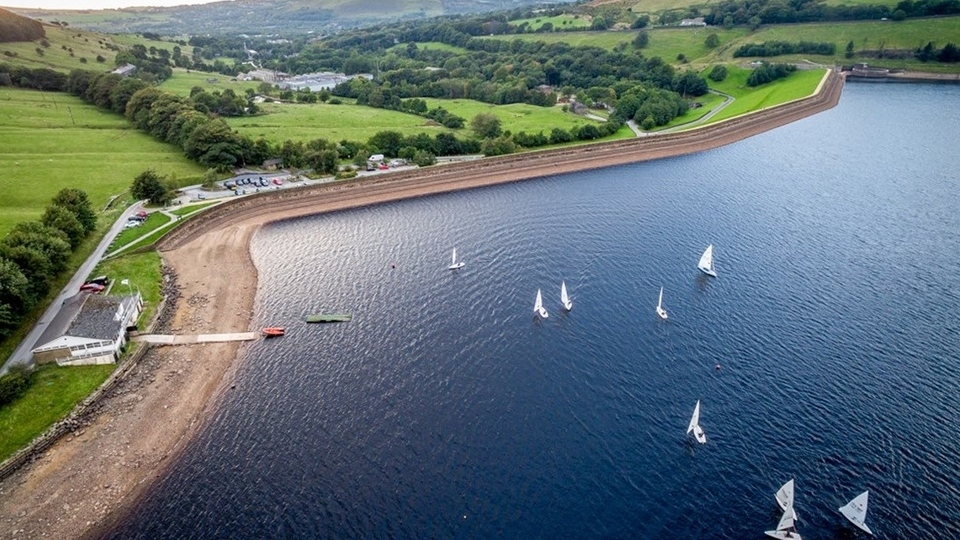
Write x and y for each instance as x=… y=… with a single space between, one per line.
x=668 y=43
x=68 y=49
x=49 y=141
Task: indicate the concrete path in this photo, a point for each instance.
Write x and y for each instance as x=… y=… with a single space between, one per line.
x=168 y=339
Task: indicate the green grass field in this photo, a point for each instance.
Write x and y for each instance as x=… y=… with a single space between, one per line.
x=142 y=270
x=63 y=43
x=429 y=46
x=183 y=81
x=54 y=393
x=799 y=84
x=867 y=35
x=302 y=122
x=305 y=122
x=559 y=22
x=667 y=43
x=49 y=141
x=515 y=117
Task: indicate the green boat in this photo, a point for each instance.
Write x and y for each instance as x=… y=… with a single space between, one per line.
x=329 y=317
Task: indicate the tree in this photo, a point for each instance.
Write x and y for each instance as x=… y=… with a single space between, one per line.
x=60 y=218
x=712 y=41
x=718 y=73
x=642 y=39
x=599 y=23
x=486 y=126
x=150 y=186
x=15 y=297
x=641 y=22
x=77 y=202
x=849 y=51
x=689 y=83
x=52 y=243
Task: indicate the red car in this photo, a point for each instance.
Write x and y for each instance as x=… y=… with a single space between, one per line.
x=92 y=287
x=278 y=181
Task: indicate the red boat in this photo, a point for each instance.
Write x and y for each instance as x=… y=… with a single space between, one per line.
x=273 y=331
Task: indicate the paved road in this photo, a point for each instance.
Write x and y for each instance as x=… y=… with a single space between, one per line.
x=22 y=356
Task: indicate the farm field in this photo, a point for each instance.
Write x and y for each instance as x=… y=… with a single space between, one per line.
x=668 y=43
x=305 y=122
x=515 y=117
x=429 y=46
x=558 y=22
x=49 y=141
x=183 y=81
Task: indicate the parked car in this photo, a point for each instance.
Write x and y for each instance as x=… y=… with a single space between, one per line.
x=142 y=214
x=278 y=181
x=100 y=280
x=92 y=287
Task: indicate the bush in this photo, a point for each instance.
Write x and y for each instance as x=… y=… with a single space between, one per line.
x=718 y=73
x=14 y=384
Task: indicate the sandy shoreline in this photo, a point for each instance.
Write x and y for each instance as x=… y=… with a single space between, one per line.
x=93 y=477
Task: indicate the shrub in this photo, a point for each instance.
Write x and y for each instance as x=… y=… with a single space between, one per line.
x=14 y=384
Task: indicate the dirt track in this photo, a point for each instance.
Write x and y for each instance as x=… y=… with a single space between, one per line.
x=86 y=481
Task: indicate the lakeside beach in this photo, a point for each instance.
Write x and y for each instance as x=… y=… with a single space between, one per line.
x=88 y=479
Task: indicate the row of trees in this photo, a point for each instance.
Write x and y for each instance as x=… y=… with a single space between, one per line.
x=34 y=253
x=949 y=53
x=769 y=72
x=777 y=48
x=756 y=12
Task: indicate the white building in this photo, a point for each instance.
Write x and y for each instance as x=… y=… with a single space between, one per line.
x=89 y=329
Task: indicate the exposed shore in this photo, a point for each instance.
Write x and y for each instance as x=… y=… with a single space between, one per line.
x=86 y=481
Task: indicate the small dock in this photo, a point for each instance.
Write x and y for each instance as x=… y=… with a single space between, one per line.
x=170 y=339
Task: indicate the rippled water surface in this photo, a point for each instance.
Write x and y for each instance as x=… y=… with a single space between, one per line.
x=444 y=410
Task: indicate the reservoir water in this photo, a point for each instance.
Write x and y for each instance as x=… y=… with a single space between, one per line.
x=444 y=410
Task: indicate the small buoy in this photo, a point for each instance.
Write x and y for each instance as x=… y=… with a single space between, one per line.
x=718 y=367
x=393 y=266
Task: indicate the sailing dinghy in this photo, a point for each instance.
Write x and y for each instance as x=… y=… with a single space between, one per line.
x=856 y=511
x=786 y=529
x=564 y=298
x=785 y=497
x=706 y=262
x=538 y=306
x=454 y=264
x=695 y=425
x=660 y=311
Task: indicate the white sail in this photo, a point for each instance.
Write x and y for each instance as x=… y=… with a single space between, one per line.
x=660 y=311
x=454 y=264
x=856 y=511
x=564 y=298
x=695 y=425
x=785 y=495
x=706 y=262
x=785 y=529
x=538 y=306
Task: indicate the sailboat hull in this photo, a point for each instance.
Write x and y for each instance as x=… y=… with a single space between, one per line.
x=662 y=313
x=456 y=265
x=708 y=272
